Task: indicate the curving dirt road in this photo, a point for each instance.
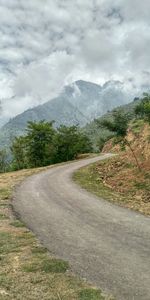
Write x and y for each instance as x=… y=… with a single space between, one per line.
x=106 y=244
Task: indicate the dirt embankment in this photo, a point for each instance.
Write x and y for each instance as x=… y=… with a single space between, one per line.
x=122 y=175
x=139 y=137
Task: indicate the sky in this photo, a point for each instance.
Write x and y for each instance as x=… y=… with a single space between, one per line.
x=47 y=44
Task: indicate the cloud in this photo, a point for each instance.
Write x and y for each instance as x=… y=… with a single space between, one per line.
x=43 y=79
x=47 y=44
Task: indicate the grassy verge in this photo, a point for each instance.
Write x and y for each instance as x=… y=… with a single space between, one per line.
x=27 y=270
x=119 y=181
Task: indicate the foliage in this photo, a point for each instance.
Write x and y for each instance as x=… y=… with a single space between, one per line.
x=69 y=142
x=143 y=109
x=40 y=143
x=3 y=160
x=119 y=125
x=44 y=145
x=19 y=149
x=35 y=149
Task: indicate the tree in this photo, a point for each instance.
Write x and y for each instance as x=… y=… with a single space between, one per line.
x=19 y=152
x=3 y=161
x=69 y=142
x=35 y=149
x=143 y=109
x=119 y=126
x=39 y=141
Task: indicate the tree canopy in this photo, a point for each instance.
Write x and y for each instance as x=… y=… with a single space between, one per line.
x=39 y=143
x=69 y=142
x=3 y=161
x=118 y=125
x=43 y=145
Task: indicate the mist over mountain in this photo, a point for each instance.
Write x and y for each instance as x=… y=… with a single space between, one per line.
x=79 y=103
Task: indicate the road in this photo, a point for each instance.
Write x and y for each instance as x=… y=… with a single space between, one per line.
x=107 y=245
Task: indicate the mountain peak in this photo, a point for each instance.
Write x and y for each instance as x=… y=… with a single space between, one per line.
x=81 y=83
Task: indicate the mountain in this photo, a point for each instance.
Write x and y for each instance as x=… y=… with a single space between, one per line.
x=79 y=103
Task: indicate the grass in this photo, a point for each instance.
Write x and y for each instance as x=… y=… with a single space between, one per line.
x=27 y=270
x=39 y=250
x=8 y=243
x=17 y=223
x=136 y=126
x=90 y=294
x=89 y=179
x=3 y=217
x=5 y=193
x=142 y=186
x=47 y=265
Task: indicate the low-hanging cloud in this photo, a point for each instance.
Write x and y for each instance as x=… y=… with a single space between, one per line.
x=47 y=44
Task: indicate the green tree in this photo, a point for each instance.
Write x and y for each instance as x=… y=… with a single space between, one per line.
x=39 y=142
x=19 y=152
x=69 y=142
x=143 y=109
x=119 y=126
x=3 y=161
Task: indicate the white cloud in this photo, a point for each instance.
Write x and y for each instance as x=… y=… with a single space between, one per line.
x=43 y=79
x=45 y=44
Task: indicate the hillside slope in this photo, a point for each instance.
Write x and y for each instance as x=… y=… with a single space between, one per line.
x=119 y=179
